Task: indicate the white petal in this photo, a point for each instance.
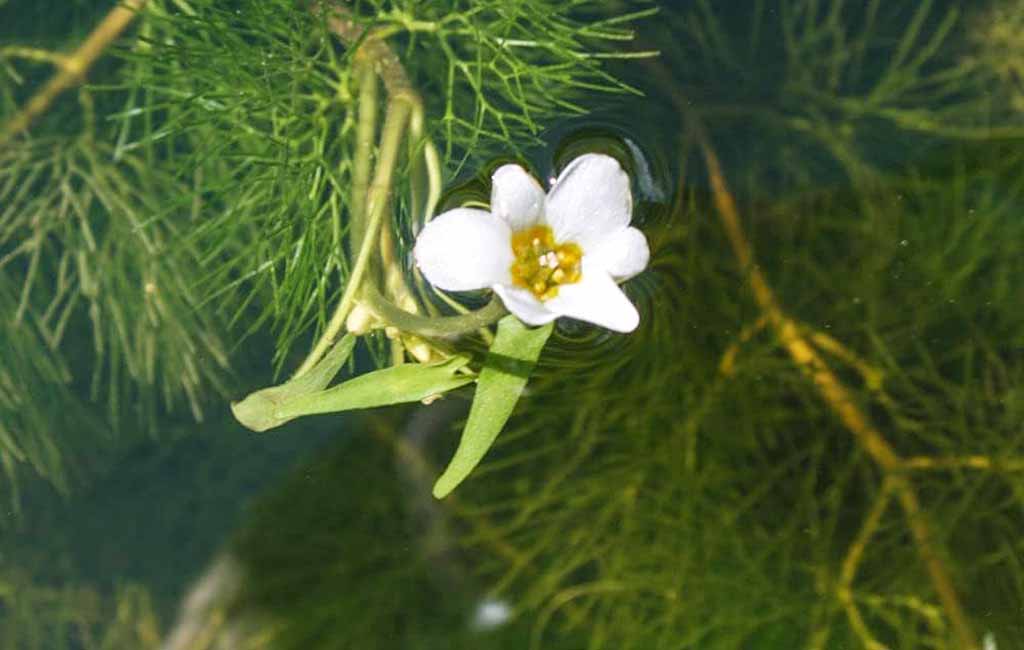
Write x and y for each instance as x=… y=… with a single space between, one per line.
x=516 y=197
x=464 y=249
x=622 y=254
x=589 y=201
x=596 y=299
x=524 y=305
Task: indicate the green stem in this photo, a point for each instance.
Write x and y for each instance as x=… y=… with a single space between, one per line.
x=433 y=160
x=376 y=201
x=431 y=326
x=372 y=47
x=430 y=164
x=73 y=67
x=417 y=173
x=365 y=130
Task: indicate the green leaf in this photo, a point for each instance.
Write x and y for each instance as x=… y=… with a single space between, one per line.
x=404 y=383
x=258 y=410
x=509 y=363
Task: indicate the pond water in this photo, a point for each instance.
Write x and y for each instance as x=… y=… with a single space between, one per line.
x=812 y=440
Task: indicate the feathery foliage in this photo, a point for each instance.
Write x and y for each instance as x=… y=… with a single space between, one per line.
x=687 y=486
x=694 y=485
x=200 y=192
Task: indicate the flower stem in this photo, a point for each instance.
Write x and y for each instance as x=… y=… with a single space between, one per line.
x=395 y=120
x=365 y=130
x=404 y=114
x=430 y=164
x=371 y=46
x=431 y=326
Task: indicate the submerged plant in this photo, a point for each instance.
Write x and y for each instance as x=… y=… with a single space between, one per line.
x=222 y=197
x=809 y=438
x=589 y=211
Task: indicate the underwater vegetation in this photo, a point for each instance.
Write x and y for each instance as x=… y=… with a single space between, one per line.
x=812 y=439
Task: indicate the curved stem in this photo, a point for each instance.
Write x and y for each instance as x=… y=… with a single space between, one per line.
x=831 y=389
x=431 y=163
x=377 y=201
x=840 y=400
x=74 y=67
x=365 y=130
x=403 y=103
x=433 y=160
x=371 y=47
x=427 y=326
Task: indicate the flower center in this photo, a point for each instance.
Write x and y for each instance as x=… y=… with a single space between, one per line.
x=542 y=264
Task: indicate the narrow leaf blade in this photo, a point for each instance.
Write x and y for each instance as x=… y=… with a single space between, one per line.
x=509 y=363
x=257 y=410
x=396 y=385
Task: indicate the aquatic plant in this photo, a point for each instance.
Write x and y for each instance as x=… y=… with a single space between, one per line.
x=222 y=199
x=75 y=616
x=811 y=440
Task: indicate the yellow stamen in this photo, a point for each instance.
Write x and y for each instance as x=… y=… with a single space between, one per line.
x=541 y=264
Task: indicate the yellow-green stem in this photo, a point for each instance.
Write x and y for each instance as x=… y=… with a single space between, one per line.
x=395 y=119
x=417 y=173
x=433 y=160
x=74 y=67
x=431 y=165
x=365 y=130
x=433 y=327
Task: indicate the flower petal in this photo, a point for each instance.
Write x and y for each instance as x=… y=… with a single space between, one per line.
x=464 y=249
x=596 y=299
x=622 y=254
x=516 y=197
x=524 y=305
x=590 y=200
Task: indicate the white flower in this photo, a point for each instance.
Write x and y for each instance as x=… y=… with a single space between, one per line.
x=546 y=256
